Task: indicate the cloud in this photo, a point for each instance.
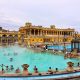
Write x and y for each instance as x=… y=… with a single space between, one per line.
x=42 y=12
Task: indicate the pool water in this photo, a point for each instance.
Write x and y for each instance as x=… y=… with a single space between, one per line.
x=60 y=47
x=27 y=56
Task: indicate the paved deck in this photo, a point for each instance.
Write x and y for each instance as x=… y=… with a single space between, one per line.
x=44 y=76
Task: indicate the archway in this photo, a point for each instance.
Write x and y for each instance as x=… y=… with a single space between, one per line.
x=4 y=38
x=22 y=38
x=36 y=32
x=10 y=39
x=15 y=38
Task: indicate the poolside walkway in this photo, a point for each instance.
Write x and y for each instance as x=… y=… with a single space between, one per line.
x=61 y=75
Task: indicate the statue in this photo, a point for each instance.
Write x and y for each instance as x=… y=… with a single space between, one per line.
x=27 y=24
x=70 y=66
x=52 y=26
x=25 y=69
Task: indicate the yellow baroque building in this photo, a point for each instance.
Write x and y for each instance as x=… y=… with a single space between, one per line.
x=8 y=37
x=31 y=34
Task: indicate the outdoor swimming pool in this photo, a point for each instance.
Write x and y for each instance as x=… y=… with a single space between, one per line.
x=60 y=47
x=27 y=56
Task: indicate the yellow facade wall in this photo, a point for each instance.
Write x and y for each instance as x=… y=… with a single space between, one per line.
x=33 y=40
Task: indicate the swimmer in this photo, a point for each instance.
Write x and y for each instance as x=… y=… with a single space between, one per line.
x=3 y=70
x=15 y=53
x=11 y=59
x=8 y=54
x=7 y=68
x=78 y=64
x=50 y=70
x=17 y=70
x=11 y=67
x=35 y=69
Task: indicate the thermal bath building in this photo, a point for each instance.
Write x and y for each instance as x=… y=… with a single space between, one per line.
x=31 y=34
x=8 y=37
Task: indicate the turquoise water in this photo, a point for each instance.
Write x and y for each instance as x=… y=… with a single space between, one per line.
x=26 y=56
x=60 y=47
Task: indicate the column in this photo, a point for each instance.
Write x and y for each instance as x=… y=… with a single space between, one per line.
x=34 y=32
x=41 y=32
x=70 y=33
x=38 y=32
x=57 y=32
x=7 y=39
x=30 y=32
x=46 y=32
x=13 y=40
x=60 y=33
x=51 y=32
x=54 y=32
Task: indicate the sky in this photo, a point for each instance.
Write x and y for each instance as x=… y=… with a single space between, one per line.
x=61 y=13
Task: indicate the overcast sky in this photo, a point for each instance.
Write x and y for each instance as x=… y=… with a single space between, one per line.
x=62 y=13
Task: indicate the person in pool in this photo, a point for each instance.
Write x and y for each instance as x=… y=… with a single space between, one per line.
x=3 y=70
x=8 y=54
x=15 y=53
x=11 y=67
x=17 y=70
x=11 y=59
x=78 y=64
x=35 y=69
x=56 y=69
x=7 y=68
x=50 y=70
